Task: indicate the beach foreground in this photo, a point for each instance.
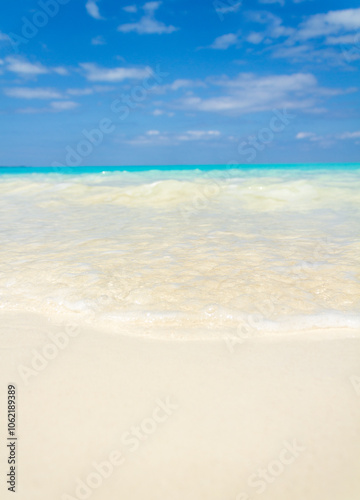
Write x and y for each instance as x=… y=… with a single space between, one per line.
x=181 y=335
x=118 y=416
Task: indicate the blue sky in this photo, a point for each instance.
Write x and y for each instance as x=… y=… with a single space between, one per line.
x=105 y=82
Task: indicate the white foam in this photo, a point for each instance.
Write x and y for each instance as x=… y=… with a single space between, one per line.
x=184 y=250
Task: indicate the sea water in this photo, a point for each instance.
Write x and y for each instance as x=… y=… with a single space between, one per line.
x=184 y=251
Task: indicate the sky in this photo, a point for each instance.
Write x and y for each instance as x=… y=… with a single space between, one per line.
x=110 y=82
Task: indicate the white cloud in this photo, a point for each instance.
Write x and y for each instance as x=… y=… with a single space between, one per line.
x=160 y=112
x=32 y=93
x=28 y=111
x=155 y=137
x=197 y=135
x=96 y=73
x=311 y=136
x=223 y=42
x=148 y=24
x=60 y=70
x=93 y=9
x=98 y=40
x=55 y=107
x=180 y=83
x=303 y=135
x=251 y=93
x=130 y=8
x=322 y=141
x=63 y=105
x=255 y=37
x=151 y=6
x=47 y=93
x=183 y=83
x=23 y=67
x=306 y=52
x=292 y=52
x=336 y=27
x=350 y=135
x=274 y=27
x=343 y=40
x=330 y=23
x=329 y=139
x=222 y=8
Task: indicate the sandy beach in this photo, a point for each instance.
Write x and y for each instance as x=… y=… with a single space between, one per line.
x=116 y=416
x=179 y=250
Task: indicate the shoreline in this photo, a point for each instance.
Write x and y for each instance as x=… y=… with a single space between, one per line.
x=170 y=333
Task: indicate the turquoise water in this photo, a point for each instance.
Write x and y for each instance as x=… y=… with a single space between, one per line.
x=95 y=170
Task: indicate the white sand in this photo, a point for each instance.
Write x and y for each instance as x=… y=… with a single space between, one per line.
x=231 y=414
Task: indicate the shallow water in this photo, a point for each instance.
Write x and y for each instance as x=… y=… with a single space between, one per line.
x=207 y=250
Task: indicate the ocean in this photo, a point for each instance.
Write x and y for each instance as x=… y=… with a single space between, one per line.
x=181 y=333
x=187 y=251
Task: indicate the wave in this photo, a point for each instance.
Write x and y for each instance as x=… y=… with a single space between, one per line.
x=196 y=250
